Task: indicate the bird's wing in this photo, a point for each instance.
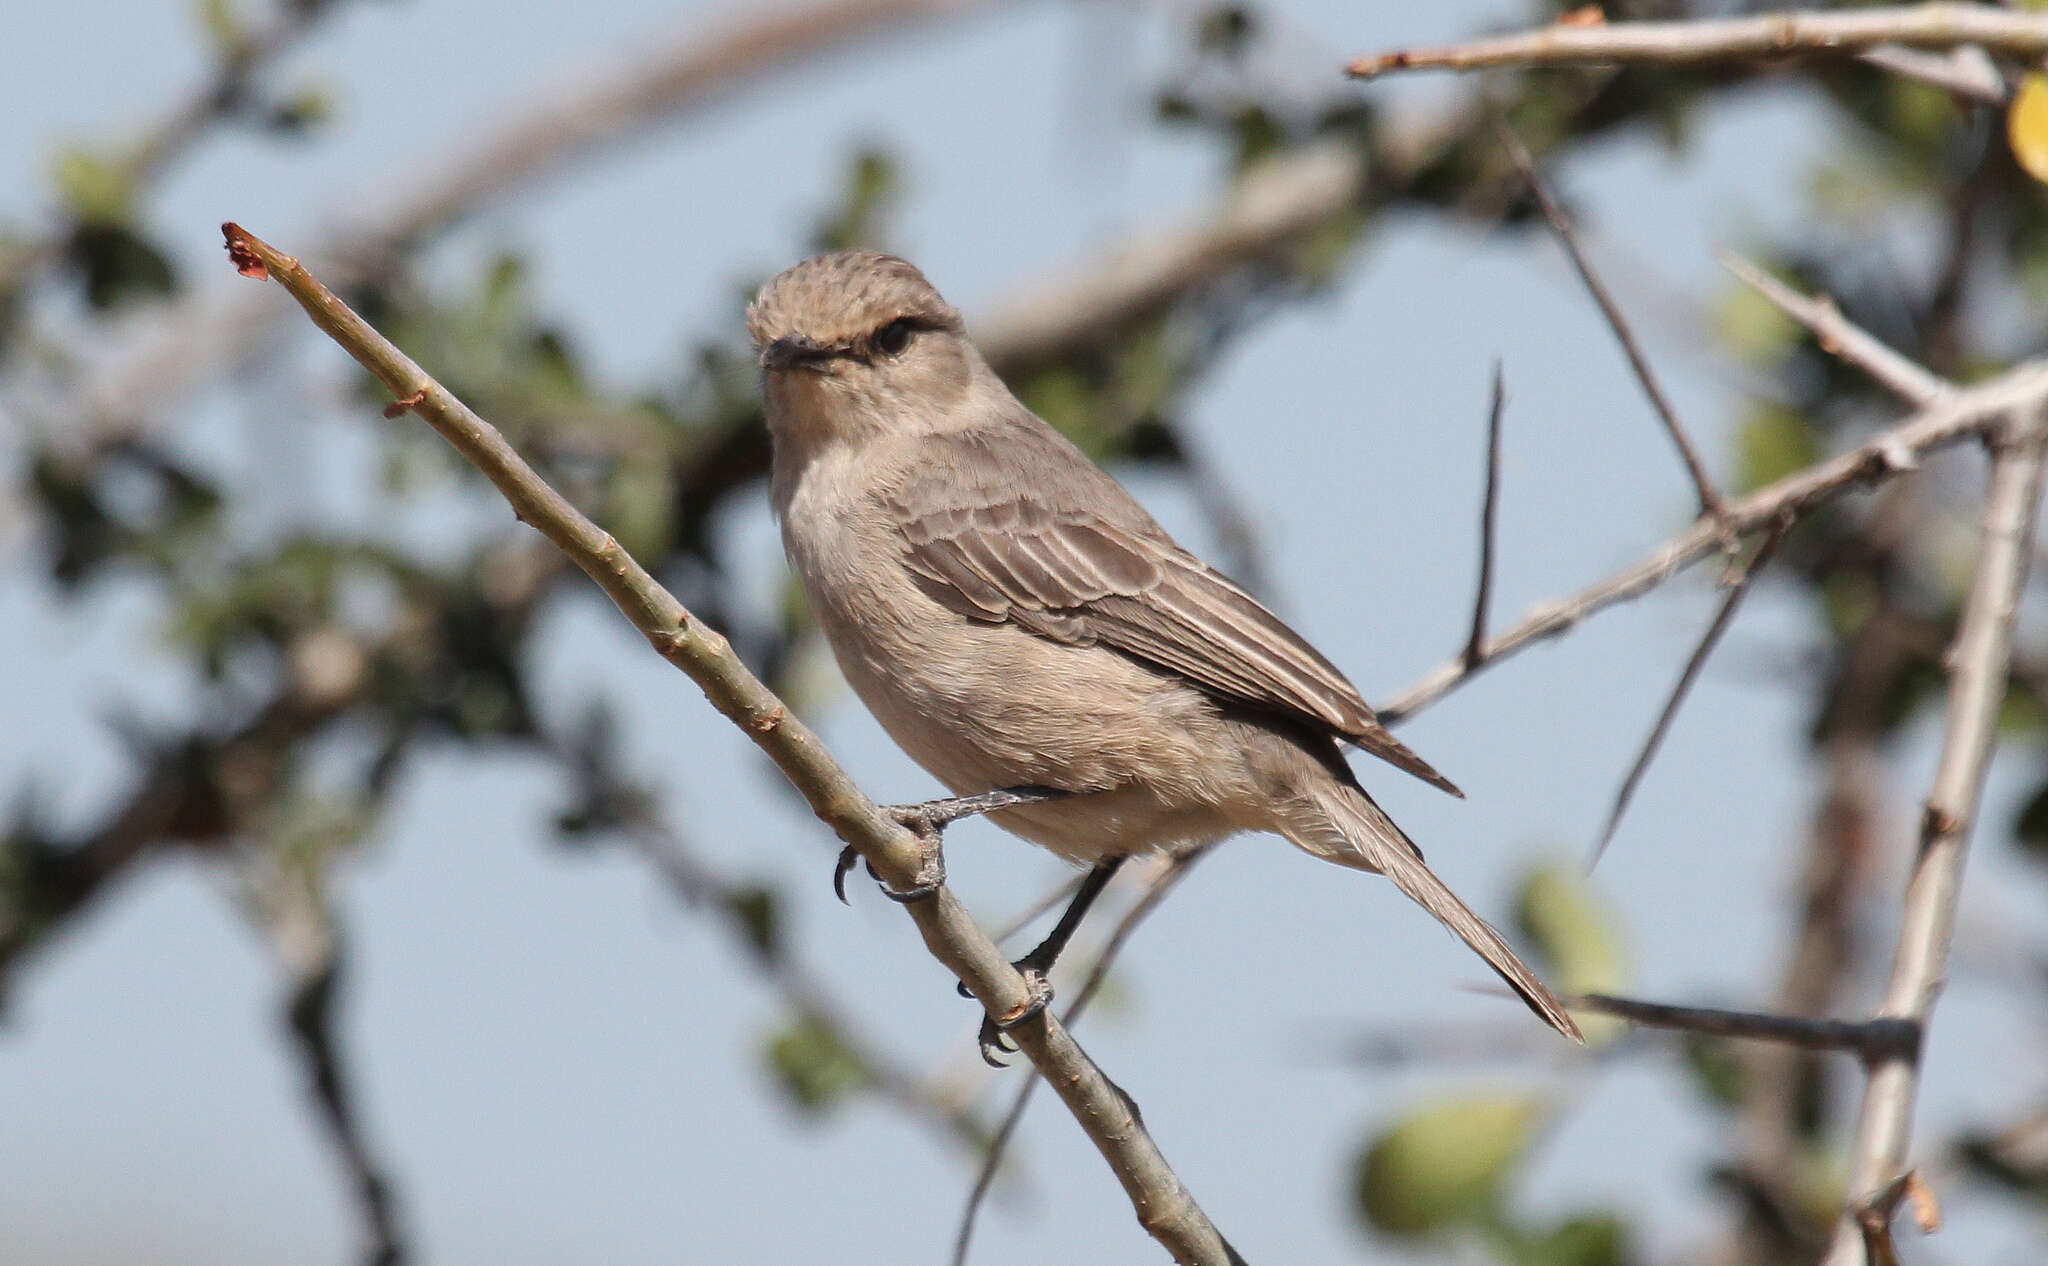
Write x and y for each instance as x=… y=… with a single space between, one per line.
x=1080 y=578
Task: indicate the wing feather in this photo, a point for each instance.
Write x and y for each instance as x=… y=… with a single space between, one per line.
x=1077 y=578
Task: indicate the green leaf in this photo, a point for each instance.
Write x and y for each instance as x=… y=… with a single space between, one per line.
x=1774 y=442
x=1600 y=1240
x=94 y=189
x=118 y=265
x=1717 y=1071
x=813 y=1067
x=1578 y=933
x=1446 y=1163
x=754 y=909
x=2031 y=827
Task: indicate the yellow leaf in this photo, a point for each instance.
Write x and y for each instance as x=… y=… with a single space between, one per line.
x=2026 y=126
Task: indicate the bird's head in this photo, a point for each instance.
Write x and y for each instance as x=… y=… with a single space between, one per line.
x=856 y=344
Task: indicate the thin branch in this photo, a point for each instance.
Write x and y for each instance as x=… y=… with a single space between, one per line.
x=1489 y=509
x=1770 y=36
x=1978 y=665
x=1871 y=1040
x=1967 y=72
x=310 y=1014
x=1175 y=870
x=1710 y=501
x=1963 y=414
x=1722 y=619
x=1106 y=1114
x=1840 y=337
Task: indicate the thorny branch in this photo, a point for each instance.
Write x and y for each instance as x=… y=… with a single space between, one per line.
x=1106 y=1114
x=1560 y=224
x=1934 y=27
x=1979 y=663
x=1963 y=414
x=1872 y=1040
x=1489 y=516
x=1712 y=638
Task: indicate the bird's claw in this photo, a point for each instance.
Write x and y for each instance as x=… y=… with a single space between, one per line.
x=931 y=872
x=993 y=1038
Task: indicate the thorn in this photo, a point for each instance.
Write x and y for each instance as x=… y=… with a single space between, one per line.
x=399 y=407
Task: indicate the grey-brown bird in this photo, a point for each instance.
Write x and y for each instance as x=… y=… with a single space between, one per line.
x=1014 y=618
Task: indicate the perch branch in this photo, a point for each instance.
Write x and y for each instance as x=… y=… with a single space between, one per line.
x=1175 y=870
x=1164 y=1206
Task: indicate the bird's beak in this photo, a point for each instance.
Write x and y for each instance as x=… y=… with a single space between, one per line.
x=794 y=351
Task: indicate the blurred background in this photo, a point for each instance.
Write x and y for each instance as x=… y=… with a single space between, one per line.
x=370 y=891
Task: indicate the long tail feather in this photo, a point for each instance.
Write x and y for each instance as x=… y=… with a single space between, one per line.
x=1374 y=842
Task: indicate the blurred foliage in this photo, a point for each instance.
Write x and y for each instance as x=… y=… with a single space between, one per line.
x=325 y=658
x=1446 y=1164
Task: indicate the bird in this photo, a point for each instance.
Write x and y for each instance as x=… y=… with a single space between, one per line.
x=1014 y=618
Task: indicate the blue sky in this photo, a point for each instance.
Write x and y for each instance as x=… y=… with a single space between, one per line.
x=560 y=1065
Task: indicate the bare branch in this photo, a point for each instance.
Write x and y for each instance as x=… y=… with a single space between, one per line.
x=1965 y=413
x=311 y=1017
x=1560 y=224
x=1106 y=1114
x=1871 y=1040
x=1489 y=508
x=1772 y=36
x=1162 y=883
x=1840 y=337
x=1722 y=619
x=1967 y=72
x=1978 y=665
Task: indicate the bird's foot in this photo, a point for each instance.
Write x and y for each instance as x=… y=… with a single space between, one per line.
x=993 y=1038
x=928 y=821
x=931 y=871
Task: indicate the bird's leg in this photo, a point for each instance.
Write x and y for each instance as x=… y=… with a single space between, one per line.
x=928 y=821
x=1036 y=966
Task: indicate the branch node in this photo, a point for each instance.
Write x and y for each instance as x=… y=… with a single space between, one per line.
x=399 y=408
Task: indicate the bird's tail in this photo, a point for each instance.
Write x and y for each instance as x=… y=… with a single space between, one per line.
x=1353 y=831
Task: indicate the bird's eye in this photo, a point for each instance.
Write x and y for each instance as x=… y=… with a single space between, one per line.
x=892 y=338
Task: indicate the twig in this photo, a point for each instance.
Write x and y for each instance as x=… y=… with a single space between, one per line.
x=1710 y=501
x=1840 y=337
x=1175 y=870
x=311 y=1016
x=1489 y=508
x=1978 y=665
x=1774 y=35
x=1967 y=72
x=1165 y=1207
x=1871 y=1040
x=1722 y=619
x=1962 y=414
